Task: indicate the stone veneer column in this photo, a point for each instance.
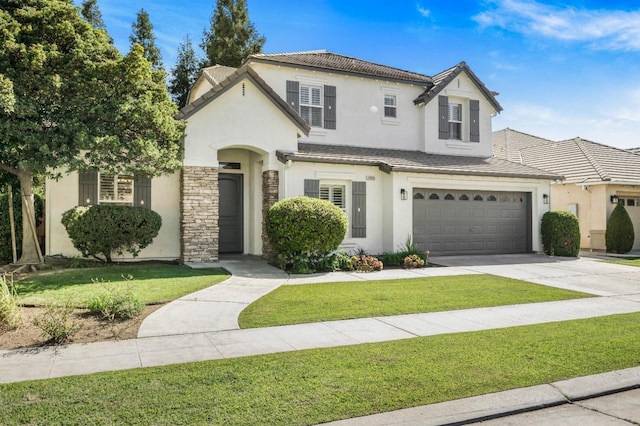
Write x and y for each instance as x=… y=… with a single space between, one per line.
x=270 y=195
x=199 y=203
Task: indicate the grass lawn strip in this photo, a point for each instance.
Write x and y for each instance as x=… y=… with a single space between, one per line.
x=300 y=304
x=152 y=284
x=315 y=386
x=628 y=262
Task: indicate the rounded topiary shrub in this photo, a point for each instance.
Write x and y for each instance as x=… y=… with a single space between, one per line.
x=304 y=227
x=560 y=234
x=102 y=230
x=5 y=227
x=619 y=235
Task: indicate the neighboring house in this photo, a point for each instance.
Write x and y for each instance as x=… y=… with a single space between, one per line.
x=597 y=177
x=401 y=153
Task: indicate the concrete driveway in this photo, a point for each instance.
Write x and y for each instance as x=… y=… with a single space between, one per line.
x=580 y=274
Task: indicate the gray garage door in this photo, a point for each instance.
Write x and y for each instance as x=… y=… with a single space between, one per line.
x=471 y=222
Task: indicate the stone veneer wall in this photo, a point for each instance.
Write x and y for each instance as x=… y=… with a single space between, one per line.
x=199 y=204
x=270 y=195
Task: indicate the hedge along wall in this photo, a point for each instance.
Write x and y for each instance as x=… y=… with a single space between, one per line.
x=5 y=226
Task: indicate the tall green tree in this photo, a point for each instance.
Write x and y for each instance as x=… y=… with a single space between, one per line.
x=184 y=74
x=91 y=13
x=77 y=103
x=142 y=34
x=231 y=36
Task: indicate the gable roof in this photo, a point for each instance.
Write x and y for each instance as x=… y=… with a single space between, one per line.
x=441 y=80
x=217 y=73
x=394 y=160
x=232 y=79
x=323 y=60
x=579 y=160
x=634 y=150
x=507 y=143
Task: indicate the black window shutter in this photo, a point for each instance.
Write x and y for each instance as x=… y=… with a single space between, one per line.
x=87 y=188
x=474 y=116
x=293 y=95
x=359 y=210
x=330 y=107
x=142 y=191
x=443 y=117
x=312 y=188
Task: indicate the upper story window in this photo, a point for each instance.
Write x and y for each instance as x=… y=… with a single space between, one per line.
x=458 y=119
x=390 y=106
x=455 y=121
x=311 y=105
x=315 y=103
x=115 y=189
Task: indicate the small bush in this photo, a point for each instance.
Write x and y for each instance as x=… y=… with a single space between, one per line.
x=413 y=261
x=560 y=234
x=101 y=230
x=409 y=248
x=619 y=235
x=57 y=323
x=10 y=316
x=116 y=304
x=304 y=228
x=6 y=252
x=365 y=263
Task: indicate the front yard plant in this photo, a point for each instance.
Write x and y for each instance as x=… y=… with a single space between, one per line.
x=303 y=230
x=619 y=236
x=100 y=231
x=9 y=310
x=366 y=263
x=560 y=234
x=116 y=303
x=57 y=323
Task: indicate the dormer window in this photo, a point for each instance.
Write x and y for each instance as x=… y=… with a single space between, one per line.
x=455 y=121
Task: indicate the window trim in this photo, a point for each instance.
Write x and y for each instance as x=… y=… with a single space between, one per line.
x=310 y=105
x=392 y=107
x=116 y=182
x=455 y=125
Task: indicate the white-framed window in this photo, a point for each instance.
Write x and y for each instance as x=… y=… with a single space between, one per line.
x=115 y=189
x=311 y=104
x=455 y=121
x=390 y=106
x=335 y=194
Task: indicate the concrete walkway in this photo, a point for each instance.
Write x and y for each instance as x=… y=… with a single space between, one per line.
x=203 y=326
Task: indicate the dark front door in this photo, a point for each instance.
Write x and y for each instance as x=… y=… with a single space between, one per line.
x=231 y=226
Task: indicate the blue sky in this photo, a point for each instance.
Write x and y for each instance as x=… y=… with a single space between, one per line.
x=562 y=70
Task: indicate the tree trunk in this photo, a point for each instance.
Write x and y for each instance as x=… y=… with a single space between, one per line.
x=30 y=248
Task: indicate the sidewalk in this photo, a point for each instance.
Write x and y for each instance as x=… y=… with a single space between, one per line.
x=203 y=326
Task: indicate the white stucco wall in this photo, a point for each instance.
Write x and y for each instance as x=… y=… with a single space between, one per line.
x=390 y=219
x=165 y=193
x=360 y=108
x=460 y=90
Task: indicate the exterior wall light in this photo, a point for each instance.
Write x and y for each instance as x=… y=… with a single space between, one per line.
x=403 y=194
x=614 y=199
x=545 y=198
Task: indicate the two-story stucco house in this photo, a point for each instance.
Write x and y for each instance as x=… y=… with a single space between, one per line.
x=401 y=152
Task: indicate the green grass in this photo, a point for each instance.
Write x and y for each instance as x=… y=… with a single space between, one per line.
x=297 y=304
x=629 y=261
x=314 y=386
x=151 y=283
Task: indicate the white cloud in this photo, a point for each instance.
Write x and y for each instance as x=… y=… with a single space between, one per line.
x=601 y=29
x=425 y=13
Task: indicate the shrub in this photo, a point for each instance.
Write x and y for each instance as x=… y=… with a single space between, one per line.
x=365 y=263
x=339 y=261
x=413 y=261
x=5 y=227
x=409 y=248
x=10 y=316
x=560 y=234
x=102 y=230
x=116 y=304
x=57 y=323
x=304 y=228
x=619 y=235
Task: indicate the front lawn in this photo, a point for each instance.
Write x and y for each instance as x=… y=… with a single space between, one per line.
x=628 y=262
x=151 y=283
x=298 y=304
x=315 y=386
